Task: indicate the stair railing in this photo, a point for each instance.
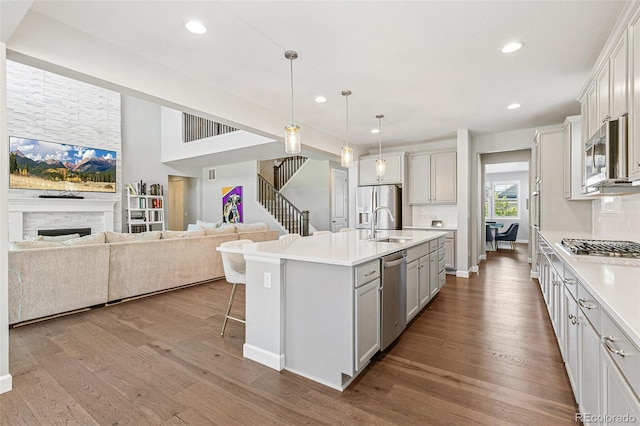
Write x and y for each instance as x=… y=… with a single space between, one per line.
x=294 y=220
x=288 y=167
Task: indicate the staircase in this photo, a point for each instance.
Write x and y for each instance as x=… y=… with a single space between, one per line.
x=292 y=219
x=285 y=168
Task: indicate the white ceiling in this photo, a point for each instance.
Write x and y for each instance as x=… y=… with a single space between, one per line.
x=431 y=67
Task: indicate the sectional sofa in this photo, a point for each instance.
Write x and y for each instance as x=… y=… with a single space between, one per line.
x=47 y=278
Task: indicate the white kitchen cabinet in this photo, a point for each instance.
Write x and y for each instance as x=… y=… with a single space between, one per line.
x=619 y=403
x=590 y=362
x=572 y=342
x=573 y=154
x=432 y=178
x=450 y=250
x=604 y=105
x=424 y=289
x=413 y=289
x=634 y=114
x=618 y=64
x=419 y=179
x=367 y=322
x=394 y=169
x=592 y=110
x=434 y=285
x=443 y=178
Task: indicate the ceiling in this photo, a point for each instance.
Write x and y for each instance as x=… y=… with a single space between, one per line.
x=431 y=67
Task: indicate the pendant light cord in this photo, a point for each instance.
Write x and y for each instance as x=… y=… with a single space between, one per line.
x=380 y=136
x=292 y=120
x=346 y=98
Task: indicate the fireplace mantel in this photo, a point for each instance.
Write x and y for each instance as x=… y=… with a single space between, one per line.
x=19 y=206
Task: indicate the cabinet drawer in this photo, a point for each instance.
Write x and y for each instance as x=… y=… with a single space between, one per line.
x=367 y=272
x=442 y=265
x=442 y=279
x=589 y=306
x=441 y=242
x=571 y=282
x=433 y=246
x=416 y=252
x=441 y=253
x=623 y=352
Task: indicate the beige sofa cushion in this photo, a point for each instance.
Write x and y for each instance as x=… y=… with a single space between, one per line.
x=167 y=235
x=59 y=238
x=118 y=237
x=219 y=231
x=28 y=245
x=86 y=240
x=199 y=233
x=248 y=227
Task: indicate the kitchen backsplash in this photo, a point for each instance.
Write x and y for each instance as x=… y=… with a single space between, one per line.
x=617 y=217
x=422 y=215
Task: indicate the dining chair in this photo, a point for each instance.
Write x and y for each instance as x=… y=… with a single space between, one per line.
x=489 y=237
x=322 y=232
x=289 y=237
x=235 y=272
x=510 y=235
x=507 y=231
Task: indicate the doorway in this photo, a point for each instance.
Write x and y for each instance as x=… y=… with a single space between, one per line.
x=339 y=202
x=182 y=199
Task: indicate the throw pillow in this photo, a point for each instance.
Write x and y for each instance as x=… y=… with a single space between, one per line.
x=208 y=224
x=118 y=237
x=218 y=231
x=167 y=235
x=193 y=227
x=86 y=240
x=28 y=245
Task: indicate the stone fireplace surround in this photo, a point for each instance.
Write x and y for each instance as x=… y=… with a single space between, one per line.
x=27 y=215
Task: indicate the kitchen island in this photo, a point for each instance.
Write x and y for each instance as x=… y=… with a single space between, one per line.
x=313 y=304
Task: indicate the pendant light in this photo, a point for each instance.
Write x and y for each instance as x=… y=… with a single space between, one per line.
x=292 y=132
x=380 y=163
x=346 y=154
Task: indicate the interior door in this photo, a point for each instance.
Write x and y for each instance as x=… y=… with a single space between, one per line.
x=176 y=205
x=339 y=192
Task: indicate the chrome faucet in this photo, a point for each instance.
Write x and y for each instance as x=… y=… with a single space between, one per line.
x=374 y=216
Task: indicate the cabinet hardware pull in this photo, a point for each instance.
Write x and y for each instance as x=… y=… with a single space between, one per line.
x=606 y=340
x=368 y=274
x=571 y=281
x=584 y=304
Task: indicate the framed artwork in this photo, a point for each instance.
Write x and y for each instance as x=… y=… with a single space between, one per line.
x=232 y=204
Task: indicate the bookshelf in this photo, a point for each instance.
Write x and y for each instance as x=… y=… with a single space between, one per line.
x=145 y=207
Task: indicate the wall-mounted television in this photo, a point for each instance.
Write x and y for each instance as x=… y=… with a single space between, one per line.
x=51 y=166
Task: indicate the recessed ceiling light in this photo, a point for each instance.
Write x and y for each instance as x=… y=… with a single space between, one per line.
x=513 y=106
x=320 y=99
x=375 y=130
x=196 y=27
x=511 y=47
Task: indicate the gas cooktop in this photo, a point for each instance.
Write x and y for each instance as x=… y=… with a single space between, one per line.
x=627 y=249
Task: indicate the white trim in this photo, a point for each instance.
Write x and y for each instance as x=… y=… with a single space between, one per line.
x=474 y=269
x=270 y=359
x=462 y=274
x=534 y=275
x=482 y=257
x=6 y=383
x=340 y=387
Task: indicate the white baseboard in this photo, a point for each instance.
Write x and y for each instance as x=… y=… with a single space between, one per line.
x=482 y=257
x=270 y=359
x=534 y=275
x=337 y=386
x=6 y=383
x=474 y=269
x=462 y=274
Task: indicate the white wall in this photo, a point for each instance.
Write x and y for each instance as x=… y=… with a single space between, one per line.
x=5 y=377
x=310 y=189
x=617 y=218
x=522 y=178
x=244 y=174
x=141 y=151
x=46 y=106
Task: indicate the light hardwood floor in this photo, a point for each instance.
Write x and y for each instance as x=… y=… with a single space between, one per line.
x=483 y=352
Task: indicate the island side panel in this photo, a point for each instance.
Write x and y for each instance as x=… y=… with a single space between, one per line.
x=319 y=321
x=264 y=332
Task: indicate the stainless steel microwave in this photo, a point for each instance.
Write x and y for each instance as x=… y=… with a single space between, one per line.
x=605 y=160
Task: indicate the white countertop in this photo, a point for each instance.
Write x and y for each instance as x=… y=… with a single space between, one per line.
x=341 y=248
x=432 y=228
x=614 y=283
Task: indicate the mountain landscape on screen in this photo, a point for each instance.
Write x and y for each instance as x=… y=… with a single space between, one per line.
x=35 y=164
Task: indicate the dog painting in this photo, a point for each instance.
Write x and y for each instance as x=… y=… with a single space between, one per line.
x=232 y=204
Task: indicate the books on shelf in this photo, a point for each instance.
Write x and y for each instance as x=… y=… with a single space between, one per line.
x=145 y=207
x=141 y=188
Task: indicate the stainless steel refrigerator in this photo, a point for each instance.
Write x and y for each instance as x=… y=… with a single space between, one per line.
x=370 y=197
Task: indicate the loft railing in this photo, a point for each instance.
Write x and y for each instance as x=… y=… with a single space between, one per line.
x=288 y=167
x=294 y=220
x=195 y=128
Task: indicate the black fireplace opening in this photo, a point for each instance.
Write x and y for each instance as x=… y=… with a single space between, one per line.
x=66 y=231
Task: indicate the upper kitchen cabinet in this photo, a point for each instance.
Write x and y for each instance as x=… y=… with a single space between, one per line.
x=572 y=159
x=432 y=178
x=394 y=169
x=619 y=65
x=634 y=114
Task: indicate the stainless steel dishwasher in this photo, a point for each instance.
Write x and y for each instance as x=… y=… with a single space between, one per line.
x=394 y=297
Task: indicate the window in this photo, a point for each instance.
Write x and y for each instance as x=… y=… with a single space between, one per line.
x=502 y=200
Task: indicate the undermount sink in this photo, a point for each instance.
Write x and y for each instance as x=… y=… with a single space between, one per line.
x=391 y=240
